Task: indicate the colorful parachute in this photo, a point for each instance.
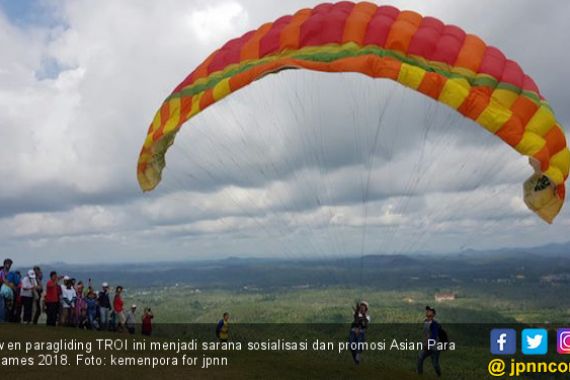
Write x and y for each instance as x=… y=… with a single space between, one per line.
x=422 y=53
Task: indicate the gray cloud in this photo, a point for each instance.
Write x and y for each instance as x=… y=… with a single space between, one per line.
x=290 y=165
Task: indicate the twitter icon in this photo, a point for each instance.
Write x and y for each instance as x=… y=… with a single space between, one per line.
x=534 y=341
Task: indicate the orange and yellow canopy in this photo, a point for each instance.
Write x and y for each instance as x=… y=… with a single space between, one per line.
x=422 y=53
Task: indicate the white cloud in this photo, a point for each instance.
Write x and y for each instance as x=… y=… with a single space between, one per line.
x=216 y=23
x=80 y=220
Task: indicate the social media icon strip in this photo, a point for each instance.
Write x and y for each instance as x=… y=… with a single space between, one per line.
x=503 y=341
x=563 y=341
x=535 y=341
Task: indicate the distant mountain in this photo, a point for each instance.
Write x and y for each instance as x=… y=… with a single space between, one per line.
x=387 y=271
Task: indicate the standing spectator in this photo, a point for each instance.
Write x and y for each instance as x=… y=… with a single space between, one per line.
x=223 y=328
x=131 y=320
x=68 y=297
x=80 y=311
x=15 y=306
x=118 y=308
x=104 y=306
x=29 y=285
x=146 y=328
x=52 y=299
x=5 y=291
x=37 y=293
x=91 y=301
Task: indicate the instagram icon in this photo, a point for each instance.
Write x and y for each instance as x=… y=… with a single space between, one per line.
x=563 y=341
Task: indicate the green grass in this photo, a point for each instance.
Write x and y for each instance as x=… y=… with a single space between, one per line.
x=241 y=366
x=333 y=305
x=316 y=313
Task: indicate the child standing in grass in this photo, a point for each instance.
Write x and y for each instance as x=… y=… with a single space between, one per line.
x=92 y=306
x=146 y=327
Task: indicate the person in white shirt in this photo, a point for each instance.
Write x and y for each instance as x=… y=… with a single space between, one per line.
x=131 y=320
x=29 y=285
x=68 y=296
x=38 y=292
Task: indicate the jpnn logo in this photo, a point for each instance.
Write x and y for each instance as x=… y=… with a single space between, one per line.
x=503 y=341
x=534 y=341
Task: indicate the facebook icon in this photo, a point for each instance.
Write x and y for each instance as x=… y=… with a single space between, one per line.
x=503 y=341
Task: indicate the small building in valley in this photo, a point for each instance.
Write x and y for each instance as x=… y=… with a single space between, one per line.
x=445 y=296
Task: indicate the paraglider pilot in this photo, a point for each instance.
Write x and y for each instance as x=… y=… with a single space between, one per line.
x=358 y=330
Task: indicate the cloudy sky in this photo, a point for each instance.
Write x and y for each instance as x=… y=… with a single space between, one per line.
x=298 y=164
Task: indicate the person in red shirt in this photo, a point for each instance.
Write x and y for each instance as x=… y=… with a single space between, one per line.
x=52 y=299
x=118 y=308
x=147 y=322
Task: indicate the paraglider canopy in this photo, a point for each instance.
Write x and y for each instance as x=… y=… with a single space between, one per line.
x=441 y=61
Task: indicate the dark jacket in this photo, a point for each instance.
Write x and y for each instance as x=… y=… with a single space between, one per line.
x=104 y=300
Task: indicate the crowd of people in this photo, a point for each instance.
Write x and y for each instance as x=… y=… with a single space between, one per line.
x=66 y=301
x=71 y=303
